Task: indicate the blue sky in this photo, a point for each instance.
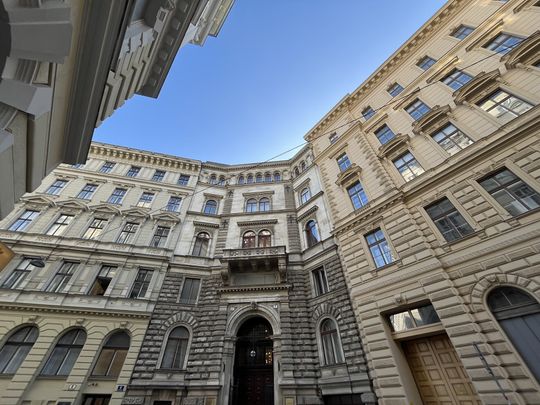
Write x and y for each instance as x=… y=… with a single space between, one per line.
x=276 y=68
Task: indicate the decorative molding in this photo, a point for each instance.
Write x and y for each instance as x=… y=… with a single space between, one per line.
x=256 y=288
x=348 y=176
x=205 y=224
x=489 y=32
x=394 y=147
x=479 y=87
x=245 y=224
x=443 y=70
x=379 y=122
x=525 y=53
x=407 y=99
x=257 y=194
x=432 y=120
x=308 y=213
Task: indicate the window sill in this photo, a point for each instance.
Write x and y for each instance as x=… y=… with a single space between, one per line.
x=102 y=378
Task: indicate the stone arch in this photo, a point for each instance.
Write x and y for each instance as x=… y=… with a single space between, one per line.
x=242 y=314
x=326 y=310
x=179 y=318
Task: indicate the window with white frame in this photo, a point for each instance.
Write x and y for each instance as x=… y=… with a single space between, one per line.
x=145 y=200
x=103 y=280
x=106 y=167
x=190 y=290
x=448 y=220
x=24 y=220
x=456 y=79
x=312 y=233
x=183 y=180
x=87 y=191
x=56 y=187
x=141 y=284
x=175 y=349
x=503 y=43
x=95 y=228
x=117 y=196
x=417 y=109
x=343 y=162
x=160 y=236
x=19 y=274
x=504 y=106
x=378 y=247
x=462 y=32
x=320 y=281
x=305 y=195
x=384 y=134
x=174 y=204
x=413 y=318
x=60 y=225
x=451 y=139
x=408 y=166
x=368 y=112
x=331 y=343
x=128 y=232
x=395 y=89
x=62 y=277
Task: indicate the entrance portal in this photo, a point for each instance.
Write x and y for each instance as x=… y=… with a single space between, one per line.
x=253 y=364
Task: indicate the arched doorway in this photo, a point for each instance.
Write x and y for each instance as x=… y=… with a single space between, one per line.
x=253 y=364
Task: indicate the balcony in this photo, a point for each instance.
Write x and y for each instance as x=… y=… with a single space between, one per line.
x=260 y=265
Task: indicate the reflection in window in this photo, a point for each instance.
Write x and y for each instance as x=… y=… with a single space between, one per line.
x=312 y=234
x=248 y=240
x=200 y=247
x=451 y=139
x=408 y=166
x=17 y=348
x=210 y=207
x=413 y=318
x=504 y=106
x=65 y=353
x=331 y=344
x=176 y=348
x=112 y=355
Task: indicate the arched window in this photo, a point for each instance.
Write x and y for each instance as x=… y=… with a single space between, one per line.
x=312 y=234
x=302 y=165
x=264 y=204
x=258 y=178
x=112 y=355
x=202 y=241
x=241 y=180
x=251 y=205
x=16 y=348
x=248 y=240
x=296 y=171
x=221 y=180
x=176 y=349
x=277 y=176
x=331 y=345
x=305 y=195
x=213 y=179
x=267 y=177
x=210 y=207
x=265 y=238
x=65 y=353
x=518 y=313
x=250 y=178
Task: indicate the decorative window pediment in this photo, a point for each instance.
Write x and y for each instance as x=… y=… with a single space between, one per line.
x=38 y=200
x=106 y=208
x=407 y=99
x=525 y=53
x=443 y=70
x=73 y=205
x=478 y=88
x=433 y=119
x=166 y=217
x=347 y=176
x=394 y=147
x=202 y=225
x=376 y=123
x=488 y=33
x=136 y=213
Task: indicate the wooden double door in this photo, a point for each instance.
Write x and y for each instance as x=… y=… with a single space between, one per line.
x=438 y=372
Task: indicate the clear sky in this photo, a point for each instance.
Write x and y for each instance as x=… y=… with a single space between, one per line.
x=276 y=68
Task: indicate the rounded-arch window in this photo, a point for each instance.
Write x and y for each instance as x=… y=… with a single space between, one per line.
x=305 y=195
x=200 y=247
x=248 y=240
x=265 y=238
x=241 y=180
x=112 y=355
x=65 y=353
x=210 y=207
x=258 y=178
x=296 y=171
x=213 y=179
x=312 y=234
x=251 y=205
x=16 y=349
x=176 y=349
x=250 y=179
x=505 y=298
x=331 y=344
x=302 y=165
x=277 y=176
x=267 y=177
x=221 y=181
x=264 y=204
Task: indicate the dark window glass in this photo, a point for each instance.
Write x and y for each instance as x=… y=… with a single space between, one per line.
x=250 y=179
x=24 y=220
x=384 y=134
x=213 y=179
x=320 y=282
x=312 y=234
x=333 y=138
x=408 y=166
x=378 y=247
x=183 y=180
x=368 y=113
x=413 y=318
x=210 y=207
x=451 y=139
x=190 y=290
x=87 y=192
x=331 y=344
x=133 y=171
x=357 y=194
x=174 y=204
x=417 y=109
x=65 y=353
x=248 y=239
x=448 y=220
x=56 y=187
x=112 y=356
x=305 y=195
x=160 y=236
x=504 y=43
x=103 y=280
x=277 y=176
x=142 y=281
x=107 y=167
x=200 y=247
x=62 y=277
x=19 y=274
x=158 y=175
x=268 y=177
x=258 y=178
x=264 y=238
x=241 y=180
x=456 y=79
x=16 y=348
x=176 y=349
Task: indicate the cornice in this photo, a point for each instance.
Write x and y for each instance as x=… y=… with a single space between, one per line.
x=256 y=288
x=307 y=213
x=257 y=223
x=98 y=312
x=205 y=224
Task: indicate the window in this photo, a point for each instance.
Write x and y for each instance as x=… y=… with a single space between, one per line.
x=312 y=234
x=302 y=165
x=158 y=175
x=241 y=180
x=462 y=32
x=456 y=79
x=128 y=232
x=503 y=43
x=331 y=345
x=133 y=171
x=248 y=240
x=451 y=139
x=210 y=207
x=448 y=220
x=95 y=229
x=65 y=353
x=367 y=113
x=384 y=134
x=305 y=195
x=17 y=348
x=425 y=63
x=333 y=138
x=264 y=204
x=200 y=247
x=24 y=220
x=413 y=318
x=103 y=280
x=174 y=204
x=183 y=180
x=408 y=167
x=142 y=281
x=504 y=106
x=258 y=178
x=176 y=349
x=56 y=187
x=221 y=181
x=296 y=172
x=60 y=225
x=87 y=191
x=213 y=179
x=19 y=274
x=268 y=177
x=264 y=238
x=417 y=109
x=357 y=195
x=190 y=290
x=112 y=355
x=160 y=236
x=251 y=205
x=107 y=167
x=117 y=196
x=145 y=200
x=378 y=247
x=277 y=176
x=395 y=89
x=319 y=281
x=343 y=162
x=62 y=277
x=250 y=179
x=511 y=192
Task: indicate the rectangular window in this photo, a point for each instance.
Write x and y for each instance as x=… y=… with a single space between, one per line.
x=87 y=192
x=425 y=63
x=56 y=187
x=413 y=318
x=133 y=171
x=128 y=232
x=504 y=105
x=448 y=220
x=503 y=43
x=462 y=32
x=174 y=204
x=145 y=200
x=160 y=237
x=183 y=180
x=343 y=162
x=190 y=291
x=456 y=79
x=18 y=275
x=368 y=113
x=515 y=196
x=451 y=139
x=408 y=167
x=95 y=229
x=142 y=281
x=384 y=134
x=357 y=194
x=319 y=281
x=333 y=138
x=107 y=167
x=24 y=220
x=62 y=277
x=60 y=225
x=158 y=175
x=103 y=280
x=417 y=109
x=117 y=196
x=395 y=89
x=379 y=249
